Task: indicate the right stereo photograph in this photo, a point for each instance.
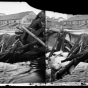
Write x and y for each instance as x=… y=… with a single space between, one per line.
x=66 y=48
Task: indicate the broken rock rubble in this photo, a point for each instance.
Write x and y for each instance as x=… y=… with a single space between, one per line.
x=56 y=59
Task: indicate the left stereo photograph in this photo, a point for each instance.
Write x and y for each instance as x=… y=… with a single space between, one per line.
x=22 y=43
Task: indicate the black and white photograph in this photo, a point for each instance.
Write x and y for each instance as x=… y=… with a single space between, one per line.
x=42 y=47
x=22 y=43
x=67 y=53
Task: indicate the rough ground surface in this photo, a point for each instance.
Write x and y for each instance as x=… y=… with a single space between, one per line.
x=16 y=73
x=79 y=74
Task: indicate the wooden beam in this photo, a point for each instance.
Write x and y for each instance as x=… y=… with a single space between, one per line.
x=34 y=36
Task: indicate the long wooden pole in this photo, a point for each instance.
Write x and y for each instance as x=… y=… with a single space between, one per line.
x=34 y=36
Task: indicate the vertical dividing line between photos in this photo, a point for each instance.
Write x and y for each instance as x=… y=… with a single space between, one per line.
x=45 y=43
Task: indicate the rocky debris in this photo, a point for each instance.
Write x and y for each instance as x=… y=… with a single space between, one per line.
x=73 y=42
x=56 y=59
x=27 y=38
x=76 y=54
x=30 y=54
x=79 y=74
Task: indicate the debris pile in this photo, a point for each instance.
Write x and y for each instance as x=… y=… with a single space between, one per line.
x=79 y=74
x=65 y=54
x=28 y=51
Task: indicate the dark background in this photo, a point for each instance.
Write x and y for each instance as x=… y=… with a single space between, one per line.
x=62 y=6
x=75 y=7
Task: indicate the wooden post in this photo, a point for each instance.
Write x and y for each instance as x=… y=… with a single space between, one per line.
x=34 y=36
